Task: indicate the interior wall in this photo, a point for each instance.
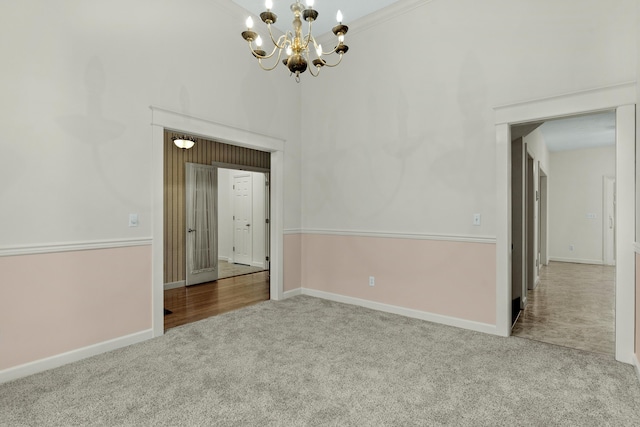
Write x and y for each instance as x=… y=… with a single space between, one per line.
x=94 y=285
x=538 y=150
x=77 y=94
x=575 y=192
x=410 y=149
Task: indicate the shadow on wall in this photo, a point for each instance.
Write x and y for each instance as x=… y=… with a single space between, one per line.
x=464 y=150
x=93 y=128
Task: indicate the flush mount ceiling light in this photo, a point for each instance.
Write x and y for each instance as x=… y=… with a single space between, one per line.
x=184 y=142
x=295 y=45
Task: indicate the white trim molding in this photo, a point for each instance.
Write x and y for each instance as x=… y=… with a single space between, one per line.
x=172 y=120
x=407 y=312
x=174 y=285
x=622 y=99
x=395 y=235
x=636 y=247
x=73 y=246
x=58 y=360
x=163 y=119
x=292 y=231
x=292 y=293
x=577 y=260
x=588 y=101
x=636 y=363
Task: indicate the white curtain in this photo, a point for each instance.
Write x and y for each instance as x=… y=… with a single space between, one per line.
x=203 y=211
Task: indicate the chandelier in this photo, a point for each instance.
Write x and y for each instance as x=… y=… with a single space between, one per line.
x=295 y=45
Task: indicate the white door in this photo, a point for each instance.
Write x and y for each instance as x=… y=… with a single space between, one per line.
x=242 y=215
x=608 y=221
x=201 y=185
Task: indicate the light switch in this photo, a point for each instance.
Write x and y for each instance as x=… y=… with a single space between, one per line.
x=476 y=219
x=133 y=220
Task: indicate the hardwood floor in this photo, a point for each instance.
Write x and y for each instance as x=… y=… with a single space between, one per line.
x=193 y=303
x=572 y=306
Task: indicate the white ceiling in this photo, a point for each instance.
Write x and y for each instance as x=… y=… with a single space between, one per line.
x=351 y=10
x=587 y=131
x=594 y=130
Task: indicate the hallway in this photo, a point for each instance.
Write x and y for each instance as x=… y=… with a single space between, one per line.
x=573 y=306
x=192 y=303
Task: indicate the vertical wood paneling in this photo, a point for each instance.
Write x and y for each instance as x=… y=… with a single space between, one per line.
x=203 y=152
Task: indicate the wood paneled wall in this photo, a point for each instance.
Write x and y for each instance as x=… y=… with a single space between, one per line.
x=203 y=152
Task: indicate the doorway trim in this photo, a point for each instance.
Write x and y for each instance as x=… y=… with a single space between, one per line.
x=163 y=119
x=622 y=98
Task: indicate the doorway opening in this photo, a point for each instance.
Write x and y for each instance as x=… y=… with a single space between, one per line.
x=198 y=194
x=243 y=221
x=621 y=98
x=569 y=293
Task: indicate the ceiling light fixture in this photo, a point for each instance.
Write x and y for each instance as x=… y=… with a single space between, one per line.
x=184 y=142
x=295 y=45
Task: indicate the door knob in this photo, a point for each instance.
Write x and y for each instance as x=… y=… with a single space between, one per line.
x=191 y=230
x=248 y=225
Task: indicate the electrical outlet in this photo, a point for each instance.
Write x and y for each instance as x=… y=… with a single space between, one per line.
x=571 y=248
x=372 y=281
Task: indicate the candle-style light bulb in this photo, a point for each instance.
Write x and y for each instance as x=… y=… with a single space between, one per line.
x=339 y=17
x=309 y=3
x=319 y=50
x=259 y=41
x=268 y=4
x=249 y=23
x=289 y=51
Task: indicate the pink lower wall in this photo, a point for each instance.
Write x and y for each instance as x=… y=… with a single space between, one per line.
x=292 y=275
x=637 y=344
x=59 y=302
x=456 y=279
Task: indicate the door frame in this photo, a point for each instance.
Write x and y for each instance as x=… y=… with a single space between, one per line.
x=606 y=234
x=267 y=201
x=234 y=176
x=543 y=258
x=621 y=98
x=162 y=119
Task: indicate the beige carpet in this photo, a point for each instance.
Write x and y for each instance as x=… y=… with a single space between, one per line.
x=310 y=362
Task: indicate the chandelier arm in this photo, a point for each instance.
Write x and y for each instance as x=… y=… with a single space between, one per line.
x=309 y=37
x=273 y=40
x=312 y=73
x=331 y=51
x=264 y=56
x=310 y=65
x=336 y=64
x=274 y=65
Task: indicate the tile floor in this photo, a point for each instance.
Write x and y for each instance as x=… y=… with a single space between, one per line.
x=227 y=269
x=572 y=306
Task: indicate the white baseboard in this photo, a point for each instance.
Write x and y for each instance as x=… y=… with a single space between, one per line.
x=257 y=264
x=58 y=360
x=174 y=285
x=417 y=314
x=578 y=261
x=292 y=293
x=224 y=259
x=637 y=365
